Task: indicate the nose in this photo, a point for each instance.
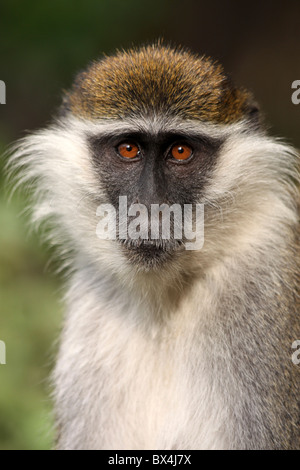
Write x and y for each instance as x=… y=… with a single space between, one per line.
x=152 y=184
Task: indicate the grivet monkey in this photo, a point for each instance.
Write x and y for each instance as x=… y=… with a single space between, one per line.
x=164 y=347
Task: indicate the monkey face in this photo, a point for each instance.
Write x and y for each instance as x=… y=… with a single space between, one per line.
x=162 y=168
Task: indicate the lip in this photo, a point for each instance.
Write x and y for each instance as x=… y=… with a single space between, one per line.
x=157 y=245
x=150 y=252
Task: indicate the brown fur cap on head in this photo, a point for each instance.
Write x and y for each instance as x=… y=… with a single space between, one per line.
x=160 y=80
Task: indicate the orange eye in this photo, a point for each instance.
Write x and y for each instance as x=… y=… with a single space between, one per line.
x=128 y=150
x=181 y=151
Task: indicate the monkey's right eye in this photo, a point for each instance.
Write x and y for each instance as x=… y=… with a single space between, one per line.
x=128 y=150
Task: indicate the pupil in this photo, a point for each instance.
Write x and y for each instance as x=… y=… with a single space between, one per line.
x=180 y=150
x=128 y=148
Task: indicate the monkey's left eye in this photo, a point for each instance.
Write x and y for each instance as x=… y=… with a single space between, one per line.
x=128 y=150
x=181 y=152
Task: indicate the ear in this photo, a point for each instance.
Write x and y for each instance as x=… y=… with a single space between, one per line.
x=254 y=115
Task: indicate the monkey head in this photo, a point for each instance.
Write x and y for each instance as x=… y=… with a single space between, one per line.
x=159 y=126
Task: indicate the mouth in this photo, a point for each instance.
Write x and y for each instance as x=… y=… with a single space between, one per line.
x=151 y=253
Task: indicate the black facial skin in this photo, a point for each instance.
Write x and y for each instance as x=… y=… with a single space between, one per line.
x=154 y=177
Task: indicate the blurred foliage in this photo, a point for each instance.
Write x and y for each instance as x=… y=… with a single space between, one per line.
x=29 y=320
x=43 y=45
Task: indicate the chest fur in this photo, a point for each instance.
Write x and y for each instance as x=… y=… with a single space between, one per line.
x=139 y=386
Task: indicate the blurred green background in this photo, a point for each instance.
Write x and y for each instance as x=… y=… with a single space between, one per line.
x=43 y=45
